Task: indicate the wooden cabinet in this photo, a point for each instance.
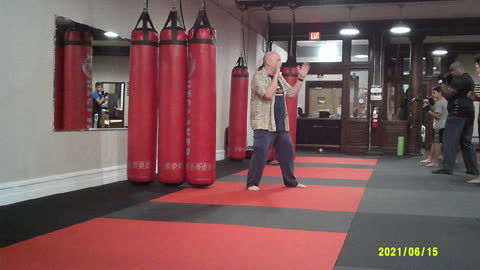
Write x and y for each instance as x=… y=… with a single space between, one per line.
x=320 y=132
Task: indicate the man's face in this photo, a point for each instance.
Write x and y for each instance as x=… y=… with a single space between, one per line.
x=274 y=60
x=456 y=71
x=278 y=59
x=477 y=69
x=435 y=95
x=99 y=89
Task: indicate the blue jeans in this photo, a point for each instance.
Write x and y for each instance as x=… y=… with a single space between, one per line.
x=458 y=131
x=262 y=142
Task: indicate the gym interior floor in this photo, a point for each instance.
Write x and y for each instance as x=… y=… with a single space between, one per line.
x=355 y=209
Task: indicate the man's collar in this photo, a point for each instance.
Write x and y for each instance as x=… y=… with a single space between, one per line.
x=265 y=73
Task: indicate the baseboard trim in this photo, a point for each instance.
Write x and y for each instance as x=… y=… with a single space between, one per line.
x=18 y=191
x=23 y=190
x=220 y=155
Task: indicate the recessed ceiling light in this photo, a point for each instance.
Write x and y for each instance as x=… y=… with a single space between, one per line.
x=440 y=52
x=111 y=34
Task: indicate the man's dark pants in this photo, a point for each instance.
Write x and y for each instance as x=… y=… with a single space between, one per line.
x=262 y=142
x=459 y=131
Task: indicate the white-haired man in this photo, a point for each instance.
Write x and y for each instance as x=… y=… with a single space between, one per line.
x=269 y=119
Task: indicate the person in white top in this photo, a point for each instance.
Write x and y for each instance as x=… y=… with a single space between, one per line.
x=439 y=113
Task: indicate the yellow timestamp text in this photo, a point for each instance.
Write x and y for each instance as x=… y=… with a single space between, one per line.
x=408 y=251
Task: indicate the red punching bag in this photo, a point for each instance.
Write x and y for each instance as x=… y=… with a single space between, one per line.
x=59 y=82
x=290 y=73
x=172 y=89
x=237 y=131
x=77 y=80
x=142 y=106
x=201 y=103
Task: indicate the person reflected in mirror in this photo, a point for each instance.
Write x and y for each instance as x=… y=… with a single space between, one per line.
x=99 y=97
x=402 y=112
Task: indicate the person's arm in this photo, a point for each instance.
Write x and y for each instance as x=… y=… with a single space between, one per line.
x=270 y=90
x=471 y=95
x=98 y=98
x=435 y=115
x=447 y=91
x=302 y=73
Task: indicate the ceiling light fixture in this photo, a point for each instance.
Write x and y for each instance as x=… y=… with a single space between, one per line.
x=440 y=52
x=111 y=34
x=400 y=28
x=349 y=30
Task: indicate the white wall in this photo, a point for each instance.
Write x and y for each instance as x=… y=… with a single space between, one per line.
x=29 y=149
x=110 y=69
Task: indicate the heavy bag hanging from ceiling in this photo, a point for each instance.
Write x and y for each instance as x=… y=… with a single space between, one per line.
x=290 y=73
x=142 y=107
x=237 y=129
x=171 y=106
x=77 y=105
x=59 y=80
x=201 y=102
x=268 y=47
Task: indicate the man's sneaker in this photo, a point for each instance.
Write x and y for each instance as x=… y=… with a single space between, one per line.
x=253 y=188
x=442 y=171
x=300 y=185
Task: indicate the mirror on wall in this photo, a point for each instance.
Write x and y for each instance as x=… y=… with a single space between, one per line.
x=91 y=78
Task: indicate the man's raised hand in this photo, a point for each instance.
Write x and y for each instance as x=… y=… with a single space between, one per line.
x=303 y=70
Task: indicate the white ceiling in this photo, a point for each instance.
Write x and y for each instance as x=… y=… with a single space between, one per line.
x=365 y=12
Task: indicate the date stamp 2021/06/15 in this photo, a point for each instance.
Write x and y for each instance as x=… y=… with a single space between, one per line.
x=408 y=251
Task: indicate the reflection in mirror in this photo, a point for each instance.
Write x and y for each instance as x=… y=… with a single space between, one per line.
x=322 y=51
x=358 y=93
x=360 y=50
x=91 y=78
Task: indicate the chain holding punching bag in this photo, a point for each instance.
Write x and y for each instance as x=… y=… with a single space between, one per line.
x=237 y=129
x=201 y=103
x=290 y=73
x=59 y=80
x=171 y=106
x=142 y=106
x=77 y=105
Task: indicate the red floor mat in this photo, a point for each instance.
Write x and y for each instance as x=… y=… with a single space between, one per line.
x=131 y=244
x=329 y=160
x=326 y=198
x=319 y=172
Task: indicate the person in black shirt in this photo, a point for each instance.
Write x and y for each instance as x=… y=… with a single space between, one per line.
x=459 y=126
x=474 y=97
